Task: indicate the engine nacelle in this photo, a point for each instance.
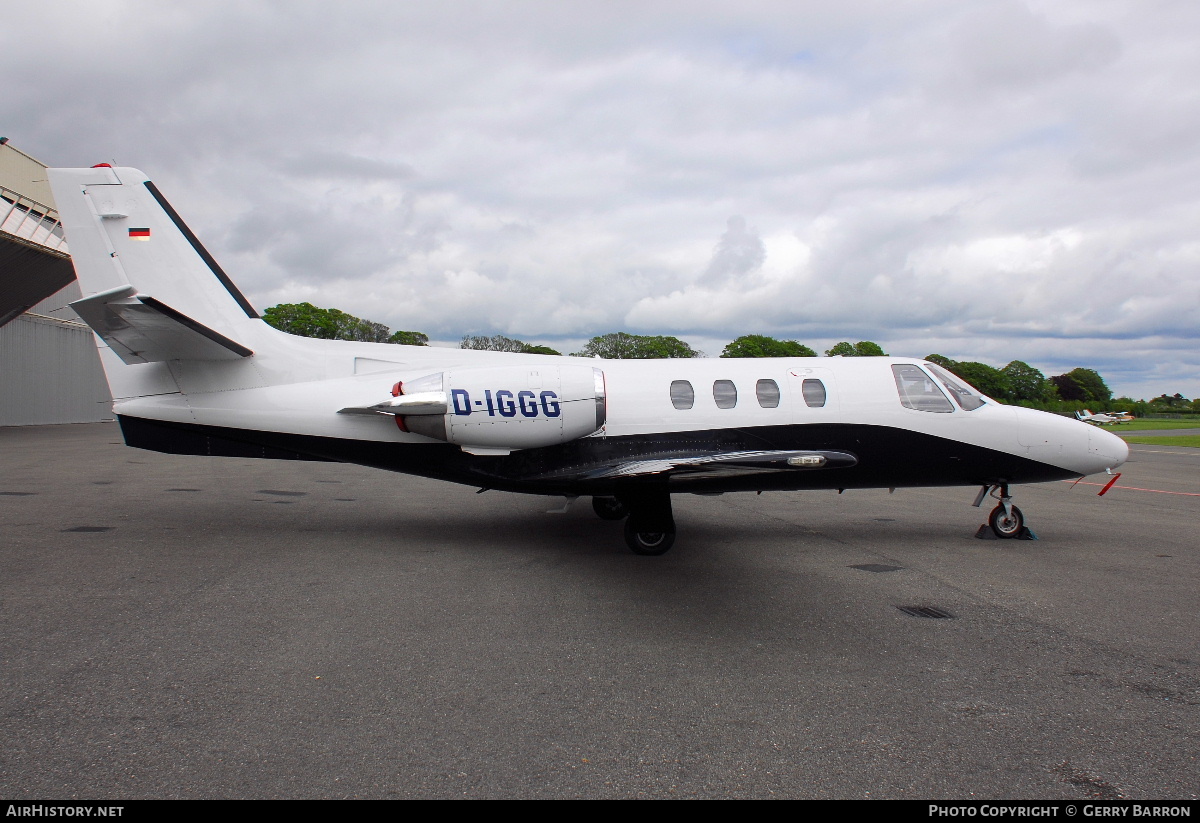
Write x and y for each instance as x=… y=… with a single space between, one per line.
x=503 y=407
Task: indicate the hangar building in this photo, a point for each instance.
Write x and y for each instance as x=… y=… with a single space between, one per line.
x=49 y=369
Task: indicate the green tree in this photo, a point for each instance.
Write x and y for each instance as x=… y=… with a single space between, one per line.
x=866 y=348
x=499 y=342
x=1138 y=408
x=622 y=346
x=307 y=320
x=496 y=342
x=302 y=319
x=758 y=345
x=863 y=348
x=409 y=338
x=1068 y=389
x=1166 y=402
x=1092 y=383
x=350 y=327
x=941 y=360
x=989 y=380
x=1025 y=382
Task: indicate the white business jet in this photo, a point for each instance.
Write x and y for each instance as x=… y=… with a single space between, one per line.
x=194 y=370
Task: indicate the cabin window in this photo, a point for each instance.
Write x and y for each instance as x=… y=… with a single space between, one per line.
x=814 y=393
x=962 y=392
x=768 y=394
x=725 y=393
x=682 y=396
x=919 y=391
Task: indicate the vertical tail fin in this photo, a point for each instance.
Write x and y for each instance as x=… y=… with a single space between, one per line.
x=151 y=290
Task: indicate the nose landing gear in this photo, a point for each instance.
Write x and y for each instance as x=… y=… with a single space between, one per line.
x=1006 y=520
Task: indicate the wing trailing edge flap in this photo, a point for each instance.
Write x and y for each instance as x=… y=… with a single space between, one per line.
x=140 y=329
x=723 y=464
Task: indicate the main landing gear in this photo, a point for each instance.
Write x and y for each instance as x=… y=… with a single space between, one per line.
x=1006 y=520
x=609 y=508
x=650 y=527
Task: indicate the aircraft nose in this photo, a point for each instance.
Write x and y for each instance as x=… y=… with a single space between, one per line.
x=1077 y=446
x=1107 y=446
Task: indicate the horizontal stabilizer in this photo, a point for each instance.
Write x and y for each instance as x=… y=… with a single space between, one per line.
x=141 y=329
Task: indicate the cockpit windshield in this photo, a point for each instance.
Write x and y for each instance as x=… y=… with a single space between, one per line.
x=919 y=391
x=962 y=392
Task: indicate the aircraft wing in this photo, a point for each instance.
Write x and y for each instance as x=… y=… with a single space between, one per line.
x=713 y=464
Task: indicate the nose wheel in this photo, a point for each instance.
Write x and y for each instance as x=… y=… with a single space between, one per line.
x=1006 y=524
x=1006 y=520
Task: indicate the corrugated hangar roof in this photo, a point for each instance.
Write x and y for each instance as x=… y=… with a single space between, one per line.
x=25 y=174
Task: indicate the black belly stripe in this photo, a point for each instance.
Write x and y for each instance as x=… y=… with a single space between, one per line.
x=887 y=457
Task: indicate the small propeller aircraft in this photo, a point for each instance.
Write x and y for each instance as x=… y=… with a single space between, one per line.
x=193 y=369
x=1103 y=418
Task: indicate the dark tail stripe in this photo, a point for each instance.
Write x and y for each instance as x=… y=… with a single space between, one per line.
x=203 y=252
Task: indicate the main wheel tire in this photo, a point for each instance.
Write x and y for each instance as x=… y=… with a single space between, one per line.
x=647 y=542
x=1005 y=526
x=609 y=508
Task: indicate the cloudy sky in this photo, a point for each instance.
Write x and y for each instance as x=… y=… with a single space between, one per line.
x=990 y=180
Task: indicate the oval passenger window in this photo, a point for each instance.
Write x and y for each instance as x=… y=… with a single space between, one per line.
x=768 y=394
x=682 y=396
x=814 y=393
x=725 y=393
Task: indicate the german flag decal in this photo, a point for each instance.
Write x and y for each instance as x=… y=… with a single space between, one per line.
x=139 y=234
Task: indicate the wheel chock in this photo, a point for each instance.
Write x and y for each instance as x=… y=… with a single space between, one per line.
x=985 y=533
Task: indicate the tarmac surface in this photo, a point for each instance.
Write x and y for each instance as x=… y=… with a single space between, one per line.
x=177 y=627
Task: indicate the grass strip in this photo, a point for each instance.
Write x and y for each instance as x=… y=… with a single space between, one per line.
x=1190 y=440
x=1144 y=425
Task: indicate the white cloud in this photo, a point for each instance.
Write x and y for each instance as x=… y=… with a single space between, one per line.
x=993 y=180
